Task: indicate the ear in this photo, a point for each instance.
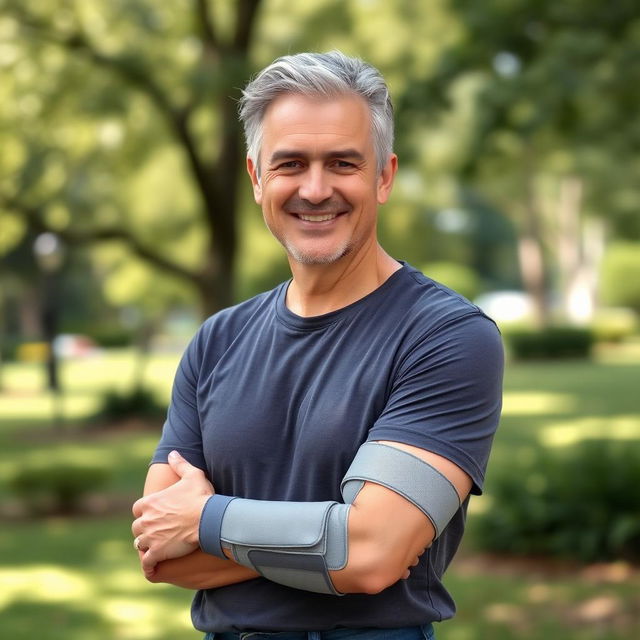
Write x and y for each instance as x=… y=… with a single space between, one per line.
x=385 y=179
x=252 y=170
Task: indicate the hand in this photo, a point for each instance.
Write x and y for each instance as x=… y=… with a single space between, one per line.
x=415 y=562
x=166 y=524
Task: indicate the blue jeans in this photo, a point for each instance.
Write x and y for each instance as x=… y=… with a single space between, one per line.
x=425 y=632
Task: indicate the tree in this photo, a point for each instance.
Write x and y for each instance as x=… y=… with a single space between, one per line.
x=87 y=101
x=553 y=136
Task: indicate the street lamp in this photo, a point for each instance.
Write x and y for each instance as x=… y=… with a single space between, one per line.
x=48 y=251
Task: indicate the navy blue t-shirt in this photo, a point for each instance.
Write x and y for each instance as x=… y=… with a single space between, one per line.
x=274 y=406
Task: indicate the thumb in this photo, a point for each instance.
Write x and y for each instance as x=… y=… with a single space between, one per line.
x=179 y=464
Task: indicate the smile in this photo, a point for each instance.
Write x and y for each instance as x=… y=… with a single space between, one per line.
x=324 y=218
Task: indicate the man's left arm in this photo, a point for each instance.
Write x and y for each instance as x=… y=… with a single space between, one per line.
x=197 y=569
x=386 y=532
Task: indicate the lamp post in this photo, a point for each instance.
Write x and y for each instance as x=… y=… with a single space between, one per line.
x=48 y=252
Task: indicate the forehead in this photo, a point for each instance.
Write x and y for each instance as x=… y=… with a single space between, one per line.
x=311 y=120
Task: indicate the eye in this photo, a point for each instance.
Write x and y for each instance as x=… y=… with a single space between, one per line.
x=343 y=164
x=290 y=164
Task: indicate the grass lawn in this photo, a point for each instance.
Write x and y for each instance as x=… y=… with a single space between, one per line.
x=78 y=578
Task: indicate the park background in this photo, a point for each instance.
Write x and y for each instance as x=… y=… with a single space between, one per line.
x=125 y=218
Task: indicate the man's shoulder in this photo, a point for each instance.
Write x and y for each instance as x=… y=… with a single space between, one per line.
x=231 y=319
x=432 y=305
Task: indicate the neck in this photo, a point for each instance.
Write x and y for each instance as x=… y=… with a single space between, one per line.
x=319 y=289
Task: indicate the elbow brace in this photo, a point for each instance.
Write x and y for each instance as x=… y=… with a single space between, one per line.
x=292 y=543
x=297 y=543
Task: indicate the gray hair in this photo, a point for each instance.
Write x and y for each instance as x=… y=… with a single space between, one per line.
x=325 y=74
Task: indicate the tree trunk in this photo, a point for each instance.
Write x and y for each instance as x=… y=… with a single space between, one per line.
x=531 y=254
x=532 y=270
x=215 y=286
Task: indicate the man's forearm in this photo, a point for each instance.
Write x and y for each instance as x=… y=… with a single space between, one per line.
x=200 y=570
x=388 y=529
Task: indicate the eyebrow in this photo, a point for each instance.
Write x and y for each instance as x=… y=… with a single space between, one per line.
x=283 y=154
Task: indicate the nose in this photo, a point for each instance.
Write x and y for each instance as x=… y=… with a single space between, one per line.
x=315 y=186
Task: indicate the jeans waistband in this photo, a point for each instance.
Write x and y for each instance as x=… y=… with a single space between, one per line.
x=424 y=632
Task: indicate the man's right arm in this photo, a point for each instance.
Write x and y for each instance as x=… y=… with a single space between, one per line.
x=198 y=570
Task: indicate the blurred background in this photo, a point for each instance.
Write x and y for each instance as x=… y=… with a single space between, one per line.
x=126 y=218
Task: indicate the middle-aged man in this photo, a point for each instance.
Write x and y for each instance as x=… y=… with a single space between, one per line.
x=343 y=418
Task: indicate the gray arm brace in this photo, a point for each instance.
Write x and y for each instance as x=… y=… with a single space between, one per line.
x=297 y=543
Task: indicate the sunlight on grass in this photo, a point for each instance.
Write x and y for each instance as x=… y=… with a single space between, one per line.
x=567 y=433
x=140 y=618
x=70 y=454
x=536 y=403
x=48 y=583
x=39 y=406
x=84 y=382
x=131 y=617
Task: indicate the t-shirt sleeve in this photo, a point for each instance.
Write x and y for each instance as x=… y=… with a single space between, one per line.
x=181 y=430
x=447 y=395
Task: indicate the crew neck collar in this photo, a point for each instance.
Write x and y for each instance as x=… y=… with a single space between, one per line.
x=311 y=323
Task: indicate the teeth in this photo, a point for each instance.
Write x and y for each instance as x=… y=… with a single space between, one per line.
x=330 y=216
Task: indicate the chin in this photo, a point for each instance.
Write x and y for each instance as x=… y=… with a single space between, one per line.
x=317 y=257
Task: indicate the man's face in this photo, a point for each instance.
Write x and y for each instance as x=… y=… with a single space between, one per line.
x=319 y=187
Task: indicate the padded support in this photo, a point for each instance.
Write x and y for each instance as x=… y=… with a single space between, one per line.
x=297 y=543
x=292 y=543
x=407 y=475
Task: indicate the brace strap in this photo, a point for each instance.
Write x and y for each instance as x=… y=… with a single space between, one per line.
x=292 y=543
x=406 y=474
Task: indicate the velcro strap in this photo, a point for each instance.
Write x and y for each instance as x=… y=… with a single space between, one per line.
x=266 y=523
x=406 y=474
x=292 y=543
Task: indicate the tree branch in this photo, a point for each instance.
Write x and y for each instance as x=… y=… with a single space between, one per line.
x=35 y=221
x=206 y=24
x=139 y=78
x=246 y=15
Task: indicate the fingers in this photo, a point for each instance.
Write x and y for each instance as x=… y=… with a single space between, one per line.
x=180 y=465
x=137 y=528
x=149 y=562
x=137 y=508
x=149 y=574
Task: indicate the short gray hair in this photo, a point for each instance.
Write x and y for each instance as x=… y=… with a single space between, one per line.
x=325 y=74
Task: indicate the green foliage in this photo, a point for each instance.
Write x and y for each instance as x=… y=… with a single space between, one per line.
x=57 y=488
x=458 y=277
x=139 y=403
x=110 y=336
x=550 y=342
x=614 y=325
x=579 y=501
x=620 y=278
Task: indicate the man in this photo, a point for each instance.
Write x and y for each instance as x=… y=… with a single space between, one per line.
x=341 y=419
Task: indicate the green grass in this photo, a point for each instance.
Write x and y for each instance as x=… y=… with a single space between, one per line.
x=78 y=578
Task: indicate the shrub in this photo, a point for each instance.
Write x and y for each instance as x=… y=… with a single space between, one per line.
x=549 y=342
x=139 y=403
x=111 y=336
x=620 y=275
x=57 y=488
x=580 y=501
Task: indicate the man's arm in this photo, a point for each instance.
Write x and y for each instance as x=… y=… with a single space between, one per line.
x=196 y=570
x=386 y=532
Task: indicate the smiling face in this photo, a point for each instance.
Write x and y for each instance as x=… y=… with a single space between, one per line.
x=319 y=188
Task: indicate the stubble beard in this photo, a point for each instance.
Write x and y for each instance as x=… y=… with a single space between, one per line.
x=315 y=258
x=296 y=205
